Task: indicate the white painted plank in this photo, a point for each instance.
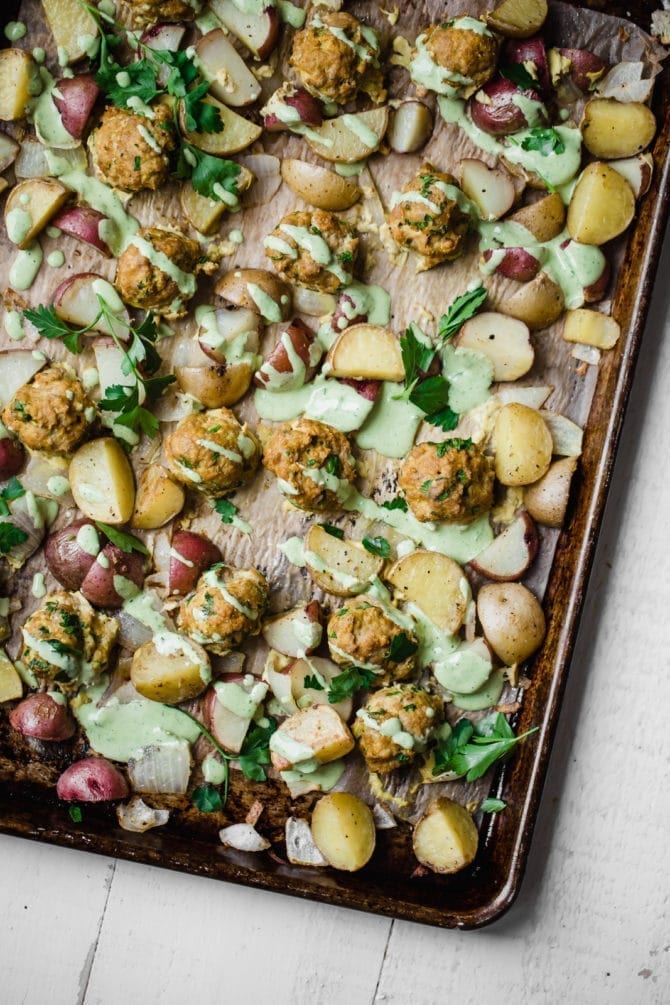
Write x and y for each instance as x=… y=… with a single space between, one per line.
x=51 y=903
x=185 y=938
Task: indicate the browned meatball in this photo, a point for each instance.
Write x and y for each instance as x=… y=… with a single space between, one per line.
x=225 y=608
x=363 y=635
x=450 y=481
x=335 y=56
x=156 y=272
x=426 y=217
x=314 y=249
x=454 y=57
x=66 y=642
x=210 y=451
x=51 y=412
x=313 y=463
x=395 y=725
x=147 y=12
x=132 y=151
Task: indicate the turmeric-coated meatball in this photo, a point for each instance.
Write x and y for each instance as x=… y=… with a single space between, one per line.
x=51 y=412
x=66 y=642
x=210 y=451
x=225 y=608
x=132 y=151
x=362 y=634
x=450 y=481
x=313 y=464
x=148 y=12
x=335 y=56
x=314 y=249
x=157 y=270
x=395 y=725
x=454 y=57
x=430 y=217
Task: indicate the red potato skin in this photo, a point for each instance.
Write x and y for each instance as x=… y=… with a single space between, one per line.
x=98 y=583
x=304 y=103
x=532 y=541
x=82 y=222
x=585 y=68
x=596 y=291
x=12 y=457
x=340 y=319
x=66 y=561
x=74 y=97
x=368 y=389
x=497 y=114
x=91 y=780
x=519 y=51
x=517 y=263
x=302 y=338
x=67 y=283
x=41 y=717
x=198 y=552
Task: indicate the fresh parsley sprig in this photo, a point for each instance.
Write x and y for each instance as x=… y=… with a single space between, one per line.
x=472 y=748
x=545 y=141
x=463 y=308
x=348 y=683
x=12 y=490
x=519 y=75
x=430 y=394
x=126 y=542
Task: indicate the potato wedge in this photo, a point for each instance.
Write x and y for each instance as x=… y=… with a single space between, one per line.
x=512 y=620
x=30 y=206
x=547 y=499
x=445 y=839
x=349 y=138
x=614 y=129
x=504 y=340
x=518 y=18
x=19 y=81
x=314 y=733
x=158 y=499
x=538 y=303
x=170 y=669
x=491 y=189
x=258 y=290
x=341 y=567
x=523 y=445
x=602 y=205
x=591 y=328
x=545 y=218
x=11 y=686
x=319 y=186
x=237 y=133
x=202 y=213
x=435 y=583
x=101 y=481
x=343 y=830
x=366 y=352
x=69 y=23
x=410 y=126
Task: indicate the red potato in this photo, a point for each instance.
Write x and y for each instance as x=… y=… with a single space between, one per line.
x=83 y=223
x=491 y=189
x=231 y=80
x=597 y=289
x=231 y=322
x=296 y=98
x=493 y=109
x=532 y=54
x=515 y=263
x=12 y=457
x=295 y=632
x=66 y=560
x=190 y=555
x=41 y=716
x=582 y=68
x=410 y=127
x=637 y=171
x=258 y=32
x=76 y=302
x=344 y=315
x=511 y=553
x=91 y=780
x=74 y=97
x=368 y=389
x=278 y=361
x=100 y=582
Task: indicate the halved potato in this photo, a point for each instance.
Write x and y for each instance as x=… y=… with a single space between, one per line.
x=491 y=189
x=591 y=328
x=523 y=445
x=547 y=499
x=518 y=18
x=101 y=481
x=602 y=205
x=29 y=207
x=366 y=352
x=237 y=133
x=445 y=838
x=158 y=499
x=316 y=733
x=19 y=82
x=435 y=583
x=545 y=218
x=70 y=23
x=349 y=138
x=410 y=126
x=343 y=830
x=170 y=669
x=18 y=366
x=231 y=80
x=614 y=129
x=258 y=290
x=504 y=340
x=215 y=385
x=512 y=620
x=319 y=186
x=341 y=567
x=538 y=303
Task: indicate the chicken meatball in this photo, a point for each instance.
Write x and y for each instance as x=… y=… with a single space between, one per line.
x=450 y=481
x=454 y=57
x=314 y=249
x=313 y=464
x=51 y=412
x=66 y=642
x=132 y=151
x=225 y=608
x=395 y=725
x=335 y=56
x=430 y=217
x=148 y=12
x=157 y=270
x=363 y=635
x=210 y=451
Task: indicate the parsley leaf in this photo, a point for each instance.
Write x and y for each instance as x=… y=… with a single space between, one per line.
x=377 y=546
x=333 y=465
x=492 y=805
x=463 y=308
x=416 y=356
x=207 y=799
x=397 y=503
x=209 y=175
x=12 y=490
x=10 y=536
x=431 y=395
x=312 y=681
x=445 y=418
x=126 y=542
x=545 y=141
x=256 y=751
x=75 y=814
x=519 y=75
x=226 y=510
x=472 y=748
x=402 y=647
x=50 y=325
x=333 y=531
x=347 y=683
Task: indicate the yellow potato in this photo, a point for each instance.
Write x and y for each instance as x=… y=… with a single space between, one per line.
x=538 y=303
x=101 y=481
x=512 y=620
x=518 y=18
x=10 y=682
x=237 y=133
x=170 y=669
x=158 y=499
x=545 y=218
x=589 y=327
x=241 y=287
x=344 y=831
x=366 y=352
x=214 y=385
x=69 y=23
x=614 y=129
x=547 y=499
x=336 y=140
x=19 y=81
x=435 y=583
x=202 y=213
x=522 y=443
x=602 y=205
x=316 y=732
x=29 y=207
x=318 y=186
x=341 y=567
x=445 y=838
x=504 y=340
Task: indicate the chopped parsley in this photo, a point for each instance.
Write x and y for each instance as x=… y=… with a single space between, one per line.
x=313 y=682
x=12 y=490
x=207 y=799
x=402 y=647
x=543 y=141
x=349 y=682
x=377 y=546
x=491 y=805
x=333 y=531
x=10 y=537
x=519 y=75
x=398 y=503
x=333 y=465
x=226 y=510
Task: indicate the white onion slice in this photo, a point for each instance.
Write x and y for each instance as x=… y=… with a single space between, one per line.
x=566 y=434
x=31 y=161
x=313 y=303
x=132 y=633
x=586 y=354
x=137 y=817
x=268 y=179
x=534 y=396
x=383 y=818
x=163 y=767
x=243 y=837
x=300 y=847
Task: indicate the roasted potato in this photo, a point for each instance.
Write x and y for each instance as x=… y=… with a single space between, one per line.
x=522 y=443
x=170 y=669
x=602 y=205
x=614 y=129
x=314 y=733
x=258 y=290
x=512 y=620
x=445 y=839
x=319 y=186
x=547 y=499
x=19 y=81
x=158 y=499
x=366 y=352
x=343 y=829
x=538 y=303
x=341 y=567
x=591 y=328
x=101 y=480
x=335 y=140
x=435 y=583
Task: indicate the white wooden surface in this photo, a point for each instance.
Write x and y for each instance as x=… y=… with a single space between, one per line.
x=591 y=923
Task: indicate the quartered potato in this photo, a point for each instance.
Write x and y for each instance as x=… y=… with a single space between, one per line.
x=366 y=352
x=349 y=138
x=30 y=206
x=341 y=567
x=237 y=133
x=158 y=499
x=504 y=340
x=258 y=290
x=19 y=82
x=435 y=583
x=101 y=480
x=445 y=838
x=545 y=218
x=319 y=186
x=522 y=443
x=588 y=327
x=170 y=669
x=602 y=205
x=614 y=129
x=538 y=303
x=547 y=499
x=70 y=23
